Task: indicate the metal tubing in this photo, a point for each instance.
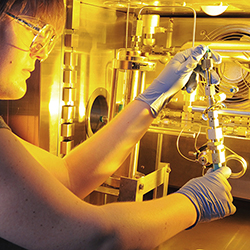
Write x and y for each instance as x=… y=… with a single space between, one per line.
x=113 y=94
x=222 y=111
x=242 y=162
x=228 y=50
x=158 y=157
x=169 y=131
x=134 y=160
x=127 y=26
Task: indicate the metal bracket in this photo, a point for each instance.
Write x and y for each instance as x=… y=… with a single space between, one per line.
x=133 y=189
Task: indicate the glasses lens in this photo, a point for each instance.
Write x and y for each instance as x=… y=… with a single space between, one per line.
x=43 y=42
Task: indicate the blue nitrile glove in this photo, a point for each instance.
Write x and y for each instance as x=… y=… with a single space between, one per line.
x=211 y=195
x=215 y=79
x=172 y=78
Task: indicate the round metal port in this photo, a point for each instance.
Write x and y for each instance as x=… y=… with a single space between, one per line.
x=97 y=111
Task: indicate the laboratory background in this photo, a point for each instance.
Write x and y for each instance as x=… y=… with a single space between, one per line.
x=111 y=51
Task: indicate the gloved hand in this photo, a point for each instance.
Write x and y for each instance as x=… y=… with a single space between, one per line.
x=173 y=78
x=193 y=81
x=211 y=195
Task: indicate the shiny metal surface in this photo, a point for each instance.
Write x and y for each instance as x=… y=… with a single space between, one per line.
x=67 y=130
x=223 y=111
x=231 y=233
x=66 y=146
x=229 y=50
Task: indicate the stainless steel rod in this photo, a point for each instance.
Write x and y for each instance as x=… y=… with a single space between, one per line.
x=223 y=111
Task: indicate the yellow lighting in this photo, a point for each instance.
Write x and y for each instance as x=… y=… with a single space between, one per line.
x=82 y=111
x=156 y=3
x=214 y=10
x=54 y=107
x=54 y=104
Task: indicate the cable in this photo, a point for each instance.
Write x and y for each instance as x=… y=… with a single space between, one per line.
x=238 y=158
x=178 y=149
x=196 y=138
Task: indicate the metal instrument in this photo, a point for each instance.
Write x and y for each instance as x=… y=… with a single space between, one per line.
x=215 y=150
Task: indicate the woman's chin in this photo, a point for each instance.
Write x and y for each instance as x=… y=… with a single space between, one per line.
x=13 y=95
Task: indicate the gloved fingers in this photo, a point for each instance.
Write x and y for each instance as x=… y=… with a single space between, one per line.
x=210 y=170
x=221 y=175
x=227 y=190
x=232 y=209
x=191 y=84
x=226 y=184
x=215 y=79
x=196 y=52
x=229 y=196
x=219 y=178
x=189 y=58
x=225 y=171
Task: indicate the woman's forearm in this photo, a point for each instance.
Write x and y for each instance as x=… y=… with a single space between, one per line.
x=145 y=225
x=92 y=162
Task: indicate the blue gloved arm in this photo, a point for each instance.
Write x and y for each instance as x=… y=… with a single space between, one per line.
x=211 y=195
x=174 y=77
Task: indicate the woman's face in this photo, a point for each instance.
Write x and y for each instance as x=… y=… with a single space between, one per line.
x=16 y=64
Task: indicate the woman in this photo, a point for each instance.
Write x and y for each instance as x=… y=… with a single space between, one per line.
x=41 y=194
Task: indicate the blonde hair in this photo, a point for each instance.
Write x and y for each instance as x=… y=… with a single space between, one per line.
x=48 y=11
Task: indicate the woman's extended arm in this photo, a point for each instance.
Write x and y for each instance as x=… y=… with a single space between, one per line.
x=92 y=162
x=38 y=212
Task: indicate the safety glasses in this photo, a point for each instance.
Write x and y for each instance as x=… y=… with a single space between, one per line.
x=44 y=36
